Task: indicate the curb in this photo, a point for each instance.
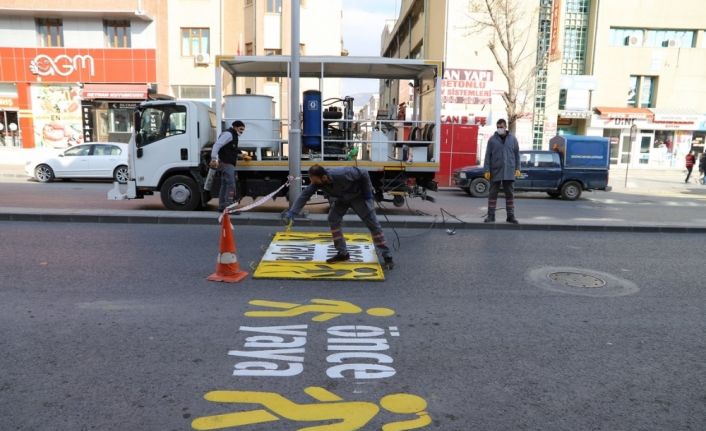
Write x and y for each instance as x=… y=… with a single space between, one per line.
x=318 y=220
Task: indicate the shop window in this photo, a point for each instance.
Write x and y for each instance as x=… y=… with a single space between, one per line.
x=117 y=34
x=664 y=139
x=50 y=32
x=195 y=41
x=274 y=6
x=119 y=120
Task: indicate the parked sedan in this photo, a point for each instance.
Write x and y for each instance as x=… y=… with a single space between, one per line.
x=94 y=160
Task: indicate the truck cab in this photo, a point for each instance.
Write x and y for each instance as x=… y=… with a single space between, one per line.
x=166 y=153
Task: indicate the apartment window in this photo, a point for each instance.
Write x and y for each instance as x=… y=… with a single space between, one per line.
x=195 y=41
x=50 y=32
x=273 y=52
x=626 y=36
x=641 y=93
x=670 y=38
x=653 y=38
x=117 y=34
x=274 y=6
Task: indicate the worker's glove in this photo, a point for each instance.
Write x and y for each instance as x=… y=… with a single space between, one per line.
x=486 y=175
x=213 y=164
x=518 y=174
x=287 y=217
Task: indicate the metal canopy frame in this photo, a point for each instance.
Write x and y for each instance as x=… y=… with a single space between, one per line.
x=321 y=67
x=329 y=67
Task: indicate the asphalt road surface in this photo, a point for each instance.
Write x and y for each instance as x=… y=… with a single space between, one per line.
x=593 y=208
x=114 y=327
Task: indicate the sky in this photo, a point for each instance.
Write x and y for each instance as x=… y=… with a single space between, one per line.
x=363 y=21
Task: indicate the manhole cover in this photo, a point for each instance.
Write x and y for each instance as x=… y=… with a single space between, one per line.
x=580 y=281
x=577 y=279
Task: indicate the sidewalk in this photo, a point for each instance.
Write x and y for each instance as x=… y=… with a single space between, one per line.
x=650 y=183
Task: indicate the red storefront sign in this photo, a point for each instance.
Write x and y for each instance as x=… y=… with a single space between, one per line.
x=70 y=65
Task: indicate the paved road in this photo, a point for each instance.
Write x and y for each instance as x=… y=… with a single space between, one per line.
x=593 y=208
x=113 y=327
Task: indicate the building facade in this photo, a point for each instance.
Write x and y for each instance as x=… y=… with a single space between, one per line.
x=75 y=73
x=593 y=67
x=635 y=65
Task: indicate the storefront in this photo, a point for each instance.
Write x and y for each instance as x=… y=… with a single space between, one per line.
x=68 y=96
x=108 y=110
x=10 y=133
x=663 y=138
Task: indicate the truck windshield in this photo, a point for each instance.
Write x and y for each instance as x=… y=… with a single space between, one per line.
x=160 y=122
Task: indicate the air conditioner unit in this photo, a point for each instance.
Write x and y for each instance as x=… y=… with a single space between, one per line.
x=671 y=43
x=632 y=41
x=202 y=59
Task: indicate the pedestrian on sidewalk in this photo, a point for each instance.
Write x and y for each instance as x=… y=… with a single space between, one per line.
x=690 y=160
x=348 y=187
x=702 y=167
x=224 y=156
x=501 y=167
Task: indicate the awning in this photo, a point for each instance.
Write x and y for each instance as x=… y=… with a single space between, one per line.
x=675 y=116
x=625 y=112
x=114 y=91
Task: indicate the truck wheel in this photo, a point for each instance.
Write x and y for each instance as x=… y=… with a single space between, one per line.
x=571 y=191
x=480 y=188
x=554 y=194
x=180 y=193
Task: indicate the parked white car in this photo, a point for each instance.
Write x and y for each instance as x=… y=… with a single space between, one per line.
x=91 y=160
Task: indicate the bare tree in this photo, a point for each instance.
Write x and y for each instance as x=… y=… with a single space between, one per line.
x=508 y=29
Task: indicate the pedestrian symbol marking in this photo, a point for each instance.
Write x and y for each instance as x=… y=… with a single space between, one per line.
x=302 y=255
x=348 y=415
x=322 y=309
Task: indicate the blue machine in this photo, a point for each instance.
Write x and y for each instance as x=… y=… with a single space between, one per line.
x=311 y=128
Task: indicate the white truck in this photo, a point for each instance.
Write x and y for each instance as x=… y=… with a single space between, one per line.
x=170 y=146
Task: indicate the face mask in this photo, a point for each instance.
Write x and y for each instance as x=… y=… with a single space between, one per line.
x=501 y=131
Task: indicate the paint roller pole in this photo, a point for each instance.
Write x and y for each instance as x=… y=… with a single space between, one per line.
x=295 y=133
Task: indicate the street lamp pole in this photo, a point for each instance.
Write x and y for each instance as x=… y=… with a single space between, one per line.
x=633 y=135
x=295 y=185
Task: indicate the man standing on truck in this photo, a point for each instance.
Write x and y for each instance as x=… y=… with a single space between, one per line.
x=501 y=167
x=224 y=156
x=347 y=187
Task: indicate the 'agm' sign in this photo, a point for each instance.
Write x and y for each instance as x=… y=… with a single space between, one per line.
x=61 y=65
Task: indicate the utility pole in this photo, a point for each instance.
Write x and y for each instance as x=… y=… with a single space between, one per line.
x=295 y=133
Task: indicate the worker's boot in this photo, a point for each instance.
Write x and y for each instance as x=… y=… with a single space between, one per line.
x=490 y=218
x=389 y=264
x=511 y=219
x=339 y=257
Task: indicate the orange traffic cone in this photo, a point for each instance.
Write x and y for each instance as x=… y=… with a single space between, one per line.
x=227 y=266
